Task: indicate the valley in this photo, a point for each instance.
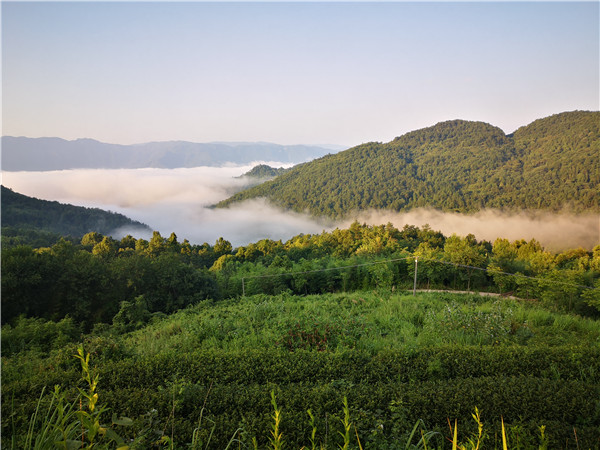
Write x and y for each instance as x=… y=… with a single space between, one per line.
x=382 y=320
x=313 y=320
x=335 y=225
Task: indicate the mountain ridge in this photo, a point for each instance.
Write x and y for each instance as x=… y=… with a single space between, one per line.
x=21 y=212
x=456 y=165
x=52 y=153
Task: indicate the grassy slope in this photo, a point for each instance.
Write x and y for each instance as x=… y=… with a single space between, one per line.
x=364 y=321
x=439 y=354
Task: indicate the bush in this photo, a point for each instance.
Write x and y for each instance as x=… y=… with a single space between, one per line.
x=32 y=334
x=559 y=387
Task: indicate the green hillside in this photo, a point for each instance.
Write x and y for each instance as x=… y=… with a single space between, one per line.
x=208 y=370
x=463 y=166
x=264 y=171
x=27 y=220
x=188 y=341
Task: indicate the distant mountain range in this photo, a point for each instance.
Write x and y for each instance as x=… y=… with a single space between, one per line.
x=51 y=153
x=27 y=216
x=550 y=164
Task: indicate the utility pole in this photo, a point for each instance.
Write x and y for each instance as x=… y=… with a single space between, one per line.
x=415 y=283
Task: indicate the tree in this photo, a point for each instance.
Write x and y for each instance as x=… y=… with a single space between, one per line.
x=465 y=252
x=157 y=245
x=132 y=315
x=127 y=242
x=175 y=285
x=428 y=265
x=504 y=261
x=222 y=262
x=25 y=285
x=172 y=242
x=592 y=296
x=106 y=248
x=222 y=247
x=382 y=275
x=91 y=239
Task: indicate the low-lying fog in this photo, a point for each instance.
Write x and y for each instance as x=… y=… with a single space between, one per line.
x=177 y=200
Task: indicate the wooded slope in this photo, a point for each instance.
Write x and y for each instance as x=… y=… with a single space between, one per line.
x=27 y=213
x=551 y=164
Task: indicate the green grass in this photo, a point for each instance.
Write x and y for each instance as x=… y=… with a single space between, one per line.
x=365 y=321
x=397 y=358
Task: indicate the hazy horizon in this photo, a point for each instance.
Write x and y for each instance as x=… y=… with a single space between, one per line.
x=330 y=146
x=310 y=73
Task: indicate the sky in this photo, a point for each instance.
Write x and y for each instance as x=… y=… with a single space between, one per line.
x=290 y=73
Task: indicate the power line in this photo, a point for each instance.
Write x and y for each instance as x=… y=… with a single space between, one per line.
x=326 y=269
x=492 y=271
x=316 y=270
x=520 y=275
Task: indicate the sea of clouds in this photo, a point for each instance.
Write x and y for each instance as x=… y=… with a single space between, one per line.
x=179 y=200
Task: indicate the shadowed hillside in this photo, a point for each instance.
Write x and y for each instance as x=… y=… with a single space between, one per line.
x=27 y=216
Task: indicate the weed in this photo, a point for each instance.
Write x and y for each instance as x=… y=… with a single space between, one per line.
x=276 y=439
x=65 y=426
x=347 y=426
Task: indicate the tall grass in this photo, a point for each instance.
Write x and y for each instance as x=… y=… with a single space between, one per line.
x=64 y=426
x=386 y=322
x=73 y=424
x=369 y=321
x=57 y=427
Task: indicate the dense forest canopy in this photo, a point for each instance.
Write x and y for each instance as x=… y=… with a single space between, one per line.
x=265 y=171
x=29 y=220
x=94 y=280
x=551 y=164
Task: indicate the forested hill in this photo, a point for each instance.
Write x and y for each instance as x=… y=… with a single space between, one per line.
x=265 y=171
x=26 y=216
x=551 y=164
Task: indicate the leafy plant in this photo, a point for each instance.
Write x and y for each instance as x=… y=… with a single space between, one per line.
x=346 y=426
x=276 y=438
x=65 y=426
x=90 y=417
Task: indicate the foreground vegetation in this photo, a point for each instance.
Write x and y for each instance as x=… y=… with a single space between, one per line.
x=396 y=358
x=206 y=346
x=100 y=280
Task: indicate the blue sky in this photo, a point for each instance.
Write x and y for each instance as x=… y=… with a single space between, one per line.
x=311 y=73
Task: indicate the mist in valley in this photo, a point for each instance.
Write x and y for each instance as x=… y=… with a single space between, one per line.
x=179 y=201
x=556 y=232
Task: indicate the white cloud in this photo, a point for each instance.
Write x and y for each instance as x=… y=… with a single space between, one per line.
x=556 y=231
x=170 y=200
x=177 y=200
